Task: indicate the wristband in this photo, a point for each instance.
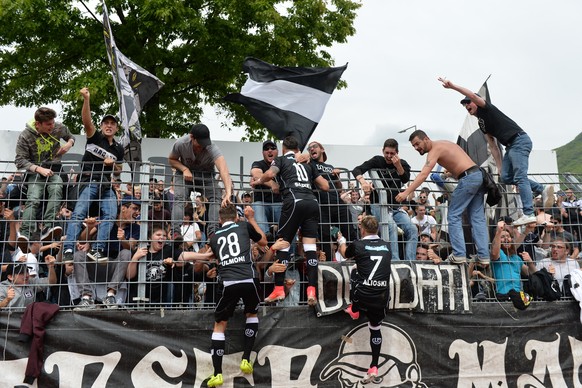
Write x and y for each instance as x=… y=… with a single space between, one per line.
x=341 y=241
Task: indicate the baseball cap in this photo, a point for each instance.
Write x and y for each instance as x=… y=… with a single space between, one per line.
x=109 y=116
x=267 y=143
x=201 y=133
x=246 y=194
x=16 y=268
x=467 y=100
x=128 y=200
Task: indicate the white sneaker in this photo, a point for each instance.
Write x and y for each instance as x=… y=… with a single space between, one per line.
x=548 y=197
x=524 y=220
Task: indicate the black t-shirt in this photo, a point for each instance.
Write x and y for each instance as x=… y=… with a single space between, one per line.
x=261 y=192
x=295 y=179
x=231 y=245
x=158 y=275
x=96 y=151
x=495 y=123
x=373 y=259
x=389 y=176
x=325 y=170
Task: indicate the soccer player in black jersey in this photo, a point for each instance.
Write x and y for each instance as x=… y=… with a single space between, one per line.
x=369 y=290
x=300 y=209
x=231 y=245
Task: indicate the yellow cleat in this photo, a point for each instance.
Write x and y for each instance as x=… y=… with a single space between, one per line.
x=246 y=367
x=215 y=381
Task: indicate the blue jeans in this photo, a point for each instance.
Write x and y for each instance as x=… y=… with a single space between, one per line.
x=267 y=214
x=399 y=218
x=107 y=214
x=514 y=171
x=469 y=195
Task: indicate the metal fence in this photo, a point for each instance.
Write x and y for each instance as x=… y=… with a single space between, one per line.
x=190 y=285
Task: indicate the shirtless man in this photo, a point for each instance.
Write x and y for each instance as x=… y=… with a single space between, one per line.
x=468 y=194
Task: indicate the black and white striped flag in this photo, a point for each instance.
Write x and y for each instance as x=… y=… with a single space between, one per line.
x=134 y=85
x=287 y=100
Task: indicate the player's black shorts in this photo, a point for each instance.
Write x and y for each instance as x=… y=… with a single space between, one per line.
x=374 y=308
x=248 y=292
x=302 y=213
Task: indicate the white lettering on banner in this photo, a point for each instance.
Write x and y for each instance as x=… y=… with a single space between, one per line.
x=481 y=365
x=343 y=293
x=143 y=374
x=396 y=287
x=281 y=358
x=72 y=367
x=471 y=373
x=547 y=360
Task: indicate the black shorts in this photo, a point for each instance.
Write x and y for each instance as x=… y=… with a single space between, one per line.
x=302 y=213
x=248 y=292
x=374 y=308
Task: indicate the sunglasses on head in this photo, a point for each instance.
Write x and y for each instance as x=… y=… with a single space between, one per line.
x=269 y=148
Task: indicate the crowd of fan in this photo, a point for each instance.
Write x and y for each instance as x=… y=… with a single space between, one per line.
x=78 y=238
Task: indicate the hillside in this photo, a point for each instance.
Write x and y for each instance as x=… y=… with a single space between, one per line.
x=569 y=156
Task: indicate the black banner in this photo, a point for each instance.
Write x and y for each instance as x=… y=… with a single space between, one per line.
x=496 y=346
x=417 y=286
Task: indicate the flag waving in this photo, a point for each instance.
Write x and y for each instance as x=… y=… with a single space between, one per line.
x=471 y=139
x=287 y=100
x=134 y=85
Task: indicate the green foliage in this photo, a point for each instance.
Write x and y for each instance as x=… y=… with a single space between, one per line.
x=50 y=49
x=569 y=159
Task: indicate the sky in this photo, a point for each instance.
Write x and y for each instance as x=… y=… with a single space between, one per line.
x=531 y=48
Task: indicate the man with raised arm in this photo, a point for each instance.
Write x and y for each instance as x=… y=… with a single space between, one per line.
x=469 y=194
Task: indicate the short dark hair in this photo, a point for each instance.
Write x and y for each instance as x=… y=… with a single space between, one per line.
x=228 y=213
x=392 y=143
x=291 y=143
x=418 y=133
x=44 y=114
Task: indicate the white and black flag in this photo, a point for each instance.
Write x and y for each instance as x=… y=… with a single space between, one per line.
x=287 y=100
x=134 y=86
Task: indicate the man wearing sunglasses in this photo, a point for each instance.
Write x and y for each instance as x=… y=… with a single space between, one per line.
x=267 y=200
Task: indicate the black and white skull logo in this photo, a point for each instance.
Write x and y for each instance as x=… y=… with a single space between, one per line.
x=397 y=366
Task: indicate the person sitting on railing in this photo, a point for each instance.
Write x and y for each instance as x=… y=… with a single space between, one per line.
x=103 y=157
x=394 y=173
x=39 y=152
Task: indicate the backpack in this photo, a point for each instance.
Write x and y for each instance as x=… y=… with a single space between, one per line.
x=542 y=284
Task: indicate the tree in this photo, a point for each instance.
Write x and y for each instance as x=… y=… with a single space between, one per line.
x=50 y=49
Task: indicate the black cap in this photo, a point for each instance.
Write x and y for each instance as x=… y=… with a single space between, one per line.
x=269 y=143
x=110 y=116
x=16 y=268
x=467 y=100
x=246 y=194
x=201 y=133
x=129 y=199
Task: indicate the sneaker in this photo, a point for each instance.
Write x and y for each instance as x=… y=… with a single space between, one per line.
x=456 y=259
x=525 y=219
x=277 y=295
x=22 y=242
x=371 y=376
x=51 y=234
x=246 y=367
x=354 y=315
x=68 y=257
x=98 y=256
x=110 y=302
x=215 y=381
x=85 y=304
x=311 y=298
x=548 y=197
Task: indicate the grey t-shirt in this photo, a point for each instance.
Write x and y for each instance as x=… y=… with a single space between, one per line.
x=202 y=161
x=25 y=294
